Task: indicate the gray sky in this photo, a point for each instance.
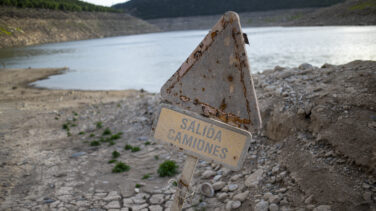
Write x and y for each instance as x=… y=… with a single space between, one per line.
x=105 y=2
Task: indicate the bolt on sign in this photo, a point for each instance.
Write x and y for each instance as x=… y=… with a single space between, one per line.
x=212 y=104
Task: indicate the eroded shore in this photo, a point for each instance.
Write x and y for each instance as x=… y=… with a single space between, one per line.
x=316 y=150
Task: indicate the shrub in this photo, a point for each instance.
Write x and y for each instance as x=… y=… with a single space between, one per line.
x=138 y=186
x=99 y=125
x=95 y=143
x=168 y=168
x=112 y=161
x=115 y=154
x=128 y=147
x=146 y=176
x=120 y=167
x=106 y=132
x=135 y=149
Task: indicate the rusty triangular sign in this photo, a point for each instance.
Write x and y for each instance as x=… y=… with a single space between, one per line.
x=215 y=80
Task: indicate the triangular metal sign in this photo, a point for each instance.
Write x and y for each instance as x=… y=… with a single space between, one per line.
x=215 y=80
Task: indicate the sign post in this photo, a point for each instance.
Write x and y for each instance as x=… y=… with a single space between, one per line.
x=211 y=104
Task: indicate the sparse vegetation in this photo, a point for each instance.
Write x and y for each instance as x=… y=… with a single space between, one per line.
x=128 y=147
x=115 y=154
x=81 y=133
x=120 y=167
x=168 y=168
x=112 y=161
x=95 y=143
x=156 y=157
x=147 y=143
x=146 y=176
x=99 y=125
x=106 y=132
x=92 y=135
x=135 y=149
x=138 y=185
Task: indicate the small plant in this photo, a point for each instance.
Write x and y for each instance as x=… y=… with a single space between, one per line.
x=91 y=135
x=135 y=149
x=56 y=118
x=74 y=119
x=112 y=161
x=73 y=125
x=147 y=143
x=128 y=147
x=99 y=125
x=75 y=113
x=68 y=133
x=66 y=126
x=168 y=168
x=120 y=167
x=95 y=143
x=116 y=136
x=156 y=157
x=106 y=132
x=146 y=176
x=110 y=143
x=81 y=133
x=115 y=154
x=174 y=183
x=118 y=105
x=138 y=185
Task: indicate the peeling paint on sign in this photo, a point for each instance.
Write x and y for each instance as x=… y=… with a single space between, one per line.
x=215 y=80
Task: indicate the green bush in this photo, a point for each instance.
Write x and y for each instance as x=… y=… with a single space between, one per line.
x=128 y=147
x=99 y=125
x=146 y=176
x=115 y=154
x=95 y=143
x=106 y=132
x=168 y=168
x=135 y=149
x=120 y=167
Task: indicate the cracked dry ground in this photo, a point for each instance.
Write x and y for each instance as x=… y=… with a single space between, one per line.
x=295 y=163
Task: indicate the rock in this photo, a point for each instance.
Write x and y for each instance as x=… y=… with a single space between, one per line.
x=232 y=187
x=127 y=202
x=155 y=208
x=140 y=198
x=305 y=66
x=323 y=208
x=113 y=205
x=309 y=199
x=222 y=196
x=262 y=206
x=235 y=177
x=208 y=173
x=274 y=199
x=273 y=207
x=78 y=154
x=367 y=196
x=241 y=196
x=139 y=207
x=157 y=199
x=254 y=179
x=217 y=177
x=113 y=195
x=230 y=205
x=218 y=185
x=207 y=189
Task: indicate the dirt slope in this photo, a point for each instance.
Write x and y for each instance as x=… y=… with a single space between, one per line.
x=21 y=27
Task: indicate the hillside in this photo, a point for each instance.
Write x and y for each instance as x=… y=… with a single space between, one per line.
x=21 y=27
x=149 y=9
x=351 y=12
x=64 y=5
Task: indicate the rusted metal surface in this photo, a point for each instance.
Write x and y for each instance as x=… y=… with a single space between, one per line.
x=215 y=80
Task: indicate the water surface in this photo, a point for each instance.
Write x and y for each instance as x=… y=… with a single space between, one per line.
x=148 y=60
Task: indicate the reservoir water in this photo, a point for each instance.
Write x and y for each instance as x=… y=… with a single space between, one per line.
x=148 y=60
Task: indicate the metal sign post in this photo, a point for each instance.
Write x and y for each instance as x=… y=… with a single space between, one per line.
x=212 y=104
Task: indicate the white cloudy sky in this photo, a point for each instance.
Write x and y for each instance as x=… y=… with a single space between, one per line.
x=105 y=2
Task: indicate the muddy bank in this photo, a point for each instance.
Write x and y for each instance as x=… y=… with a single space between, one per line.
x=315 y=152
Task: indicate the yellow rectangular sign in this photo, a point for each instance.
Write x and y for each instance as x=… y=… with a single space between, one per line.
x=202 y=137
